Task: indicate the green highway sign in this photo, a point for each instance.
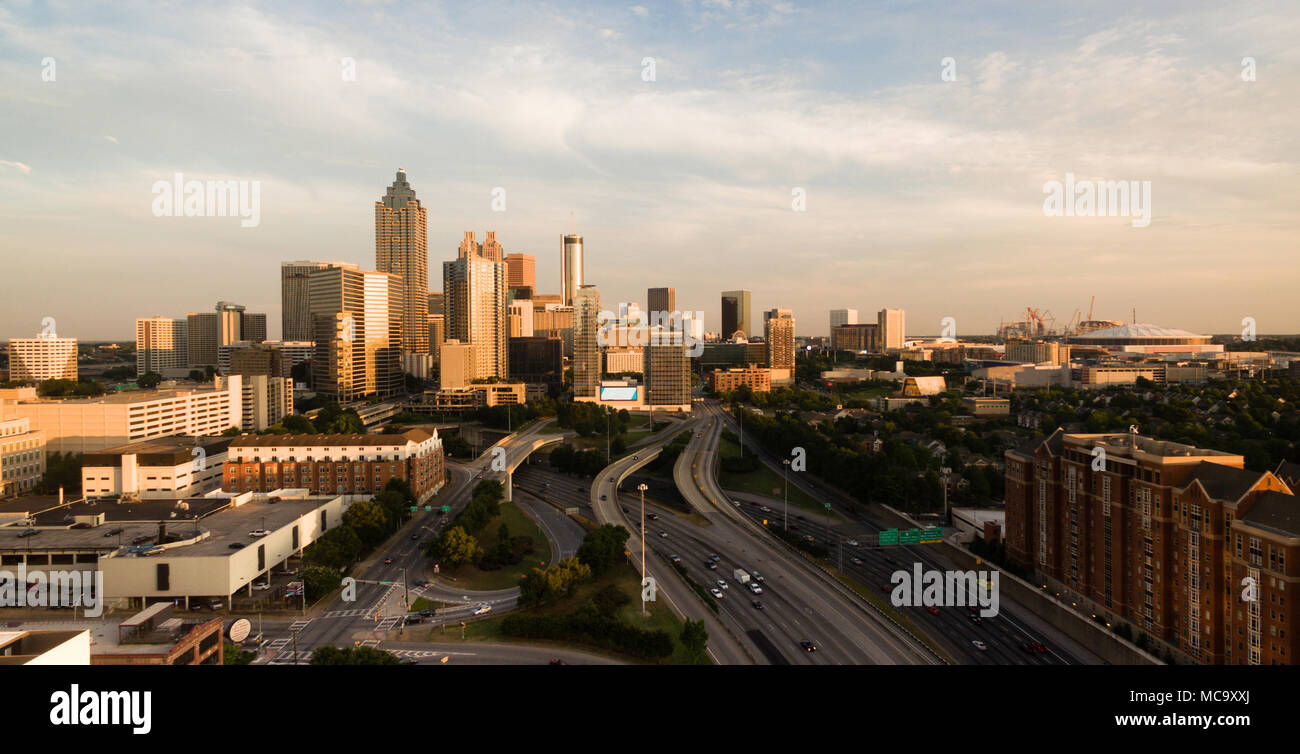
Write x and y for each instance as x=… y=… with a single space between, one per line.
x=415 y=508
x=888 y=537
x=385 y=583
x=932 y=534
x=909 y=537
x=446 y=509
x=828 y=506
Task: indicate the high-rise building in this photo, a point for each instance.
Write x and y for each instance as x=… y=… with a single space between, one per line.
x=554 y=319
x=160 y=343
x=254 y=327
x=735 y=314
x=537 y=360
x=521 y=319
x=230 y=323
x=44 y=357
x=570 y=268
x=402 y=249
x=437 y=303
x=358 y=333
x=475 y=289
x=491 y=249
x=437 y=332
x=843 y=317
x=456 y=362
x=778 y=332
x=521 y=270
x=258 y=358
x=856 y=337
x=893 y=328
x=201 y=339
x=667 y=370
x=295 y=317
x=586 y=347
x=661 y=300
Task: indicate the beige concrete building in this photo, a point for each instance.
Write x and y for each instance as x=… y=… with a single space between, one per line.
x=264 y=399
x=45 y=647
x=586 y=347
x=619 y=360
x=295 y=310
x=475 y=288
x=22 y=456
x=402 y=249
x=892 y=325
x=358 y=323
x=778 y=332
x=1037 y=352
x=164 y=467
x=521 y=270
x=455 y=364
x=161 y=343
x=44 y=357
x=521 y=318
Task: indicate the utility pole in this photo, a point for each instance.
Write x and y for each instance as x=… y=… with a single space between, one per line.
x=406 y=592
x=642 y=488
x=785 y=478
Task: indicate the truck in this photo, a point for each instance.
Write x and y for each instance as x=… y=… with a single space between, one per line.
x=741 y=576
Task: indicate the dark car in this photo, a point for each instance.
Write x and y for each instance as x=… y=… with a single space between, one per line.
x=757 y=605
x=808 y=646
x=388 y=561
x=236 y=545
x=141 y=540
x=557 y=661
x=652 y=516
x=28 y=533
x=112 y=532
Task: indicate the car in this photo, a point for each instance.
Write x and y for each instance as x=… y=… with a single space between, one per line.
x=260 y=586
x=709 y=564
x=409 y=661
x=625 y=510
x=755 y=588
x=857 y=561
x=1038 y=646
x=289 y=571
x=716 y=592
x=236 y=545
x=714 y=557
x=258 y=533
x=932 y=610
x=757 y=604
x=28 y=533
x=981 y=646
x=141 y=539
x=810 y=538
x=851 y=542
x=756 y=576
x=113 y=532
x=722 y=584
x=766 y=509
x=82 y=525
x=636 y=458
x=652 y=516
x=482 y=609
x=663 y=534
x=808 y=646
x=215 y=605
x=388 y=561
x=676 y=558
x=557 y=661
x=413 y=619
x=974 y=618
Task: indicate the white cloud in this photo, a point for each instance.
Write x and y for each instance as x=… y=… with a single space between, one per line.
x=20 y=167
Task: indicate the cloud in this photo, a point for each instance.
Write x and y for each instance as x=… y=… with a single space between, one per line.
x=640 y=10
x=20 y=167
x=112 y=139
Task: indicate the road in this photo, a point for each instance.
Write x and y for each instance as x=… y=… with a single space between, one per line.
x=1004 y=635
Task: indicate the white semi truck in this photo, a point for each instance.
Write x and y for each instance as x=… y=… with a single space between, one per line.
x=741 y=576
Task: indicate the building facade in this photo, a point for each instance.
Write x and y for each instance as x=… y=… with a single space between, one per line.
x=754 y=377
x=166 y=467
x=295 y=309
x=778 y=333
x=475 y=289
x=521 y=271
x=22 y=457
x=892 y=324
x=358 y=333
x=44 y=357
x=586 y=345
x=402 y=249
x=571 y=266
x=735 y=314
x=160 y=343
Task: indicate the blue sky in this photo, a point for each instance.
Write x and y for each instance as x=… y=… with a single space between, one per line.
x=921 y=193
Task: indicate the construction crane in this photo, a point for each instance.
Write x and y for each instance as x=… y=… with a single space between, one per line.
x=1090 y=305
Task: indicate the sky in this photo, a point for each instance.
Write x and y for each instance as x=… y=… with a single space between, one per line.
x=920 y=137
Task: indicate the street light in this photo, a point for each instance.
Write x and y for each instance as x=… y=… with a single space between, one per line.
x=642 y=488
x=785 y=487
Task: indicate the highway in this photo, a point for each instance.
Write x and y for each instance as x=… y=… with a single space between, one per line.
x=1004 y=635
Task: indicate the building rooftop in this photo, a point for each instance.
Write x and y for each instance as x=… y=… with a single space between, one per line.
x=1136 y=331
x=1276 y=511
x=160 y=451
x=316 y=441
x=1224 y=482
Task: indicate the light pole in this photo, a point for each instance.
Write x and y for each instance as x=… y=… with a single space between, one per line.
x=642 y=488
x=785 y=489
x=607 y=437
x=943 y=477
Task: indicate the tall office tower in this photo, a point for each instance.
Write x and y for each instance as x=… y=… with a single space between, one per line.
x=521 y=270
x=437 y=303
x=295 y=320
x=230 y=323
x=44 y=357
x=554 y=319
x=202 y=339
x=254 y=327
x=661 y=300
x=570 y=268
x=260 y=359
x=892 y=324
x=358 y=333
x=476 y=311
x=843 y=317
x=541 y=300
x=735 y=313
x=160 y=343
x=521 y=319
x=586 y=348
x=778 y=331
x=667 y=371
x=455 y=364
x=402 y=249
x=437 y=332
x=491 y=249
x=468 y=246
x=539 y=359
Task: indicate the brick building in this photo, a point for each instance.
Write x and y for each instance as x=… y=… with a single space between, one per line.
x=335 y=464
x=1163 y=536
x=756 y=378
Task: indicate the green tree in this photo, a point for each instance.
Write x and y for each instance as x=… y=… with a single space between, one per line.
x=369 y=519
x=298 y=425
x=459 y=546
x=320 y=581
x=695 y=637
x=149 y=380
x=351 y=656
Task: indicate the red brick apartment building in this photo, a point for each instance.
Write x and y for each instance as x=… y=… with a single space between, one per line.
x=758 y=379
x=1162 y=536
x=335 y=464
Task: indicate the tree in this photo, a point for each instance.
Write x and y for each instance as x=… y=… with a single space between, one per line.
x=369 y=519
x=298 y=425
x=459 y=546
x=231 y=431
x=351 y=656
x=149 y=380
x=320 y=581
x=695 y=637
x=233 y=654
x=602 y=548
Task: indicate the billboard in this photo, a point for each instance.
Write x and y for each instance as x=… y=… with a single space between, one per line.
x=618 y=393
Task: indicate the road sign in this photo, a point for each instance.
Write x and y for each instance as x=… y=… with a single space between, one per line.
x=932 y=534
x=888 y=537
x=446 y=509
x=909 y=537
x=415 y=509
x=828 y=506
x=239 y=630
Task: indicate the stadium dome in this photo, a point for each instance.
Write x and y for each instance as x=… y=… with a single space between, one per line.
x=1140 y=335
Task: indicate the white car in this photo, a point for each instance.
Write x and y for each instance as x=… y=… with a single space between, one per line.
x=851 y=542
x=981 y=646
x=260 y=586
x=722 y=584
x=755 y=588
x=258 y=533
x=716 y=592
x=481 y=609
x=766 y=509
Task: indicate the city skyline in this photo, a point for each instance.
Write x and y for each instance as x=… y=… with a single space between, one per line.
x=945 y=184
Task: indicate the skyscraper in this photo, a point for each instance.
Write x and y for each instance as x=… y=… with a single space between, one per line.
x=735 y=313
x=402 y=249
x=160 y=343
x=358 y=332
x=295 y=319
x=44 y=357
x=843 y=317
x=230 y=323
x=667 y=369
x=660 y=300
x=491 y=249
x=778 y=331
x=521 y=270
x=893 y=325
x=475 y=300
x=586 y=347
x=570 y=268
x=202 y=339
